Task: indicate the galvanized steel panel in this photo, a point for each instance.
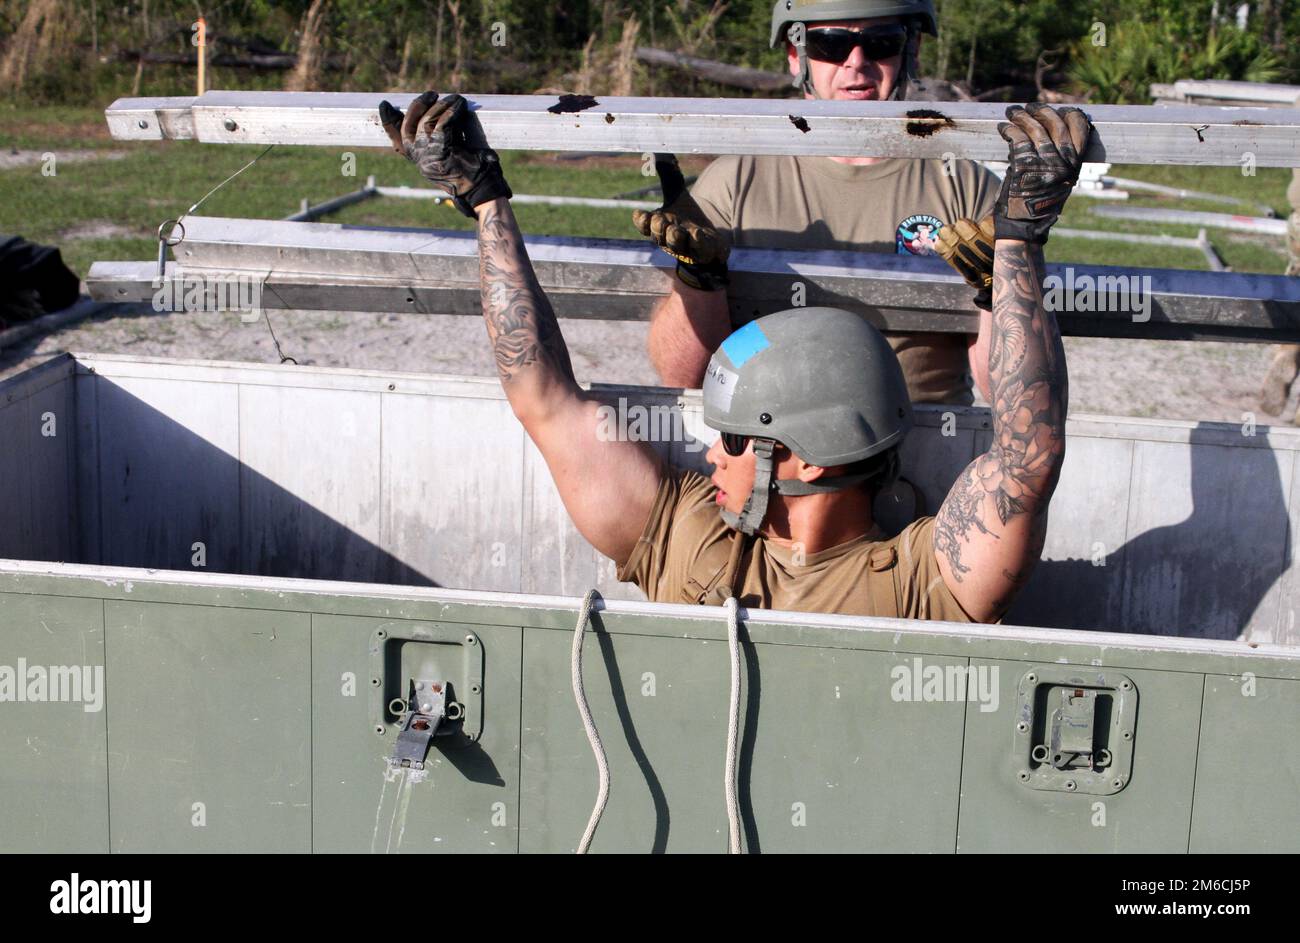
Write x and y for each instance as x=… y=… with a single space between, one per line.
x=1207 y=538
x=1285 y=631
x=15 y=510
x=1079 y=582
x=85 y=547
x=452 y=489
x=168 y=473
x=310 y=483
x=51 y=432
x=38 y=514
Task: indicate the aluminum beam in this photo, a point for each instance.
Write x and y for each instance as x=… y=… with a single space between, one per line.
x=1260 y=225
x=323 y=266
x=1228 y=91
x=1135 y=134
x=537 y=199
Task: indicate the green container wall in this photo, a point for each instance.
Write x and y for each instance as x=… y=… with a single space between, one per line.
x=239 y=713
x=239 y=716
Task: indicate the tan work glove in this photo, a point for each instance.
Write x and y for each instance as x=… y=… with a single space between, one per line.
x=969 y=249
x=681 y=229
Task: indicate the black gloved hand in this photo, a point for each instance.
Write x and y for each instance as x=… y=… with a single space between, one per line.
x=681 y=229
x=432 y=136
x=1047 y=148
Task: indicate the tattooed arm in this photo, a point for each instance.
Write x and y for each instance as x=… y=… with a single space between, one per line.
x=990 y=530
x=608 y=486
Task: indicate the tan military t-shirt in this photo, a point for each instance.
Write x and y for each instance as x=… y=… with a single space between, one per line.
x=684 y=550
x=894 y=206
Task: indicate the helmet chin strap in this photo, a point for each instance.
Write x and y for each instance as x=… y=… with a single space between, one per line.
x=906 y=73
x=751 y=516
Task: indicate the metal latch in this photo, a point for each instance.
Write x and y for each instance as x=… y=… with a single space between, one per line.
x=1072 y=740
x=414 y=664
x=1075 y=729
x=424 y=715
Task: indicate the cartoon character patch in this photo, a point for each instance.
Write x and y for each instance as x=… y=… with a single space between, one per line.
x=917 y=235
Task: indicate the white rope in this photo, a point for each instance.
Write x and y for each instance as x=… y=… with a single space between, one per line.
x=733 y=729
x=593 y=737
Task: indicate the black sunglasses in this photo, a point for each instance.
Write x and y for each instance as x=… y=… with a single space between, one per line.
x=734 y=444
x=836 y=44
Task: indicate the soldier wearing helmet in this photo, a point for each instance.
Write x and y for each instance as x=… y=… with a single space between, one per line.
x=810 y=406
x=844 y=50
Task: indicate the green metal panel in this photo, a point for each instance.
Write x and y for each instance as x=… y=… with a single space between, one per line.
x=209 y=722
x=227 y=690
x=1151 y=814
x=53 y=776
x=870 y=772
x=830 y=761
x=1248 y=777
x=468 y=798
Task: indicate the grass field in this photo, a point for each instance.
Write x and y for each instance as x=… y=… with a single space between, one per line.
x=109 y=209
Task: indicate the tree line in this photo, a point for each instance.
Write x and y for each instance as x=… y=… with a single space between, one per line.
x=69 y=51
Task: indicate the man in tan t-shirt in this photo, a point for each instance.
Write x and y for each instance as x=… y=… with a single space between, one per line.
x=895 y=206
x=811 y=407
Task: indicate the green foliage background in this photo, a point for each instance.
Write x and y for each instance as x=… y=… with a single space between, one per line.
x=1000 y=47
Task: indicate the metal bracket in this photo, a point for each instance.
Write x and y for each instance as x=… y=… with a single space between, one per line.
x=426 y=680
x=426 y=709
x=1074 y=730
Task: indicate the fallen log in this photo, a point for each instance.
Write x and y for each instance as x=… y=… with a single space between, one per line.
x=734 y=76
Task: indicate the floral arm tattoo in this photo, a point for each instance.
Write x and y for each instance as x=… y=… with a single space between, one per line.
x=526 y=341
x=1027 y=376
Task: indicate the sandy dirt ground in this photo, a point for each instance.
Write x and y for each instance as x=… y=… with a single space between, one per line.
x=1157 y=379
x=13 y=157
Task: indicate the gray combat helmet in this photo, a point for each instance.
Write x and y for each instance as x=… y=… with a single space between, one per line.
x=918 y=16
x=822 y=382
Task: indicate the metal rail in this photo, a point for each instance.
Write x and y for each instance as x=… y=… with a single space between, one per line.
x=1137 y=134
x=1259 y=225
x=323 y=266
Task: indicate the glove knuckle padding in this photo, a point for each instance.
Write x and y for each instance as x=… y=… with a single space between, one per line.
x=411 y=123
x=1053 y=122
x=1080 y=129
x=657 y=224
x=706 y=245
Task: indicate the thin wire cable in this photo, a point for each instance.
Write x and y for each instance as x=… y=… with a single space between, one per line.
x=205 y=196
x=593 y=737
x=284 y=358
x=733 y=728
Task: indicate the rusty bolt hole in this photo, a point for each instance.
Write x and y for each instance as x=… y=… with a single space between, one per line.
x=420 y=724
